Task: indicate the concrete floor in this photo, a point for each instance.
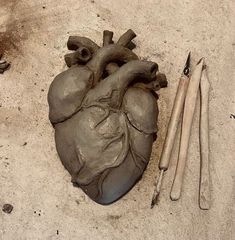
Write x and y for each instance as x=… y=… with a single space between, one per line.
x=33 y=35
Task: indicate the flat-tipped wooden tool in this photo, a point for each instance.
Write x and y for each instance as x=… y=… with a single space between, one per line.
x=204 y=192
x=172 y=128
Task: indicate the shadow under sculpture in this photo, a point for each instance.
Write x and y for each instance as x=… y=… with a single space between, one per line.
x=104 y=112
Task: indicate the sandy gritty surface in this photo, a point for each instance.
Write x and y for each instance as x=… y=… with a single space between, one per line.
x=33 y=35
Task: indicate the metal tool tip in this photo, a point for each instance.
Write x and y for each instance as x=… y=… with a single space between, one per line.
x=187 y=65
x=154 y=200
x=188 y=59
x=189 y=55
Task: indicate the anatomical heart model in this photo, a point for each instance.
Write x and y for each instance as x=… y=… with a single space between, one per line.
x=104 y=111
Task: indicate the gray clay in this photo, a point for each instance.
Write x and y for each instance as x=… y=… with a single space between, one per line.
x=104 y=111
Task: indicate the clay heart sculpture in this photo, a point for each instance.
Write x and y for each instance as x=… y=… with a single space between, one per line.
x=104 y=111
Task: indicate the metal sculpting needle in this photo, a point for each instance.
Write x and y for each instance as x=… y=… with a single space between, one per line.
x=172 y=128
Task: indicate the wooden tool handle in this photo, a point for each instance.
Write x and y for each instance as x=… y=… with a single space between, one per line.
x=174 y=122
x=204 y=194
x=189 y=107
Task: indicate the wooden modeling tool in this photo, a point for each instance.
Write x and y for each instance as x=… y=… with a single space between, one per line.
x=204 y=192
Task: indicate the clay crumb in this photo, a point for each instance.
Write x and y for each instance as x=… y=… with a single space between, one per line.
x=7 y=208
x=39 y=212
x=4 y=65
